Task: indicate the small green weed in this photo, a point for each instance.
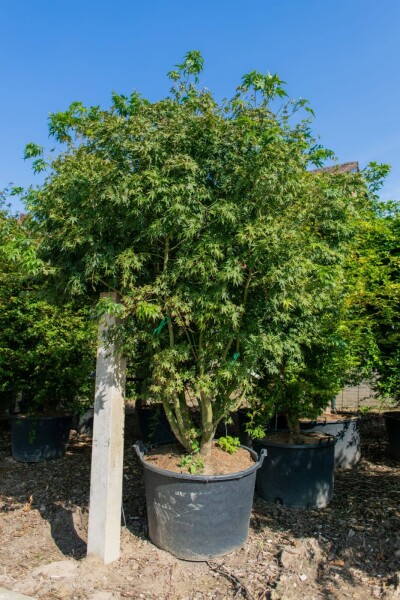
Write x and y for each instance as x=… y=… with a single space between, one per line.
x=193 y=463
x=229 y=444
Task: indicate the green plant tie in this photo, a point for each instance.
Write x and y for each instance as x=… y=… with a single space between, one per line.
x=159 y=328
x=235 y=357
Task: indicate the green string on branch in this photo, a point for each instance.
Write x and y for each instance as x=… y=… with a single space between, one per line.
x=235 y=357
x=160 y=327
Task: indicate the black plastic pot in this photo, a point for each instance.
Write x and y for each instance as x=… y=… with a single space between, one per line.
x=276 y=422
x=153 y=424
x=196 y=517
x=345 y=430
x=39 y=438
x=298 y=476
x=392 y=422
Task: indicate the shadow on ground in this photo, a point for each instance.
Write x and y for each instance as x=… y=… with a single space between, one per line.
x=356 y=536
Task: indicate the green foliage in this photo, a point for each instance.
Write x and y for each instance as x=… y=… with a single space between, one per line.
x=32 y=150
x=304 y=387
x=364 y=410
x=372 y=324
x=192 y=65
x=229 y=444
x=348 y=342
x=192 y=462
x=46 y=351
x=225 y=249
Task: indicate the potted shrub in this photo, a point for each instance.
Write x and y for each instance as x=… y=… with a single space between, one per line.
x=300 y=469
x=373 y=304
x=49 y=364
x=46 y=351
x=300 y=472
x=339 y=346
x=205 y=219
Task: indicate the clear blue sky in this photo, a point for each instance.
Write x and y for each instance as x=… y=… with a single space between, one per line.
x=342 y=56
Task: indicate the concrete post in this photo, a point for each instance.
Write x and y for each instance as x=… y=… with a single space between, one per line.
x=108 y=448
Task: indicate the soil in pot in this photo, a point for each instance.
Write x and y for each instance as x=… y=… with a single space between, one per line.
x=344 y=427
x=197 y=517
x=38 y=438
x=298 y=475
x=169 y=457
x=392 y=423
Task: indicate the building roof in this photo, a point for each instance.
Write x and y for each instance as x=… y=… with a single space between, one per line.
x=349 y=167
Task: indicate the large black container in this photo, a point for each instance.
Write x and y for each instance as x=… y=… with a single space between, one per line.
x=153 y=424
x=298 y=476
x=392 y=422
x=345 y=430
x=39 y=438
x=196 y=517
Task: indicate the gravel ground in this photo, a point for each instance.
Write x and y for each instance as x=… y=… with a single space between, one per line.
x=349 y=550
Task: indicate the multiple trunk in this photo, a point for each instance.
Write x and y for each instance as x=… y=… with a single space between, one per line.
x=176 y=409
x=182 y=424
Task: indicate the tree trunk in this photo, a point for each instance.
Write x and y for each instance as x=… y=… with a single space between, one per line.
x=207 y=427
x=181 y=436
x=294 y=426
x=205 y=449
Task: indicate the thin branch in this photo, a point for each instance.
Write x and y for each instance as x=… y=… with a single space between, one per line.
x=110 y=287
x=170 y=328
x=166 y=253
x=187 y=332
x=201 y=339
x=219 y=568
x=231 y=410
x=170 y=331
x=227 y=348
x=174 y=425
x=245 y=297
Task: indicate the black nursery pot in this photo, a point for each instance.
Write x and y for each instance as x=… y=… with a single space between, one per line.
x=392 y=422
x=39 y=438
x=197 y=517
x=297 y=476
x=345 y=430
x=153 y=424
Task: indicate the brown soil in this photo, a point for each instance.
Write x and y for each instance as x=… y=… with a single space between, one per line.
x=285 y=437
x=350 y=549
x=329 y=418
x=221 y=463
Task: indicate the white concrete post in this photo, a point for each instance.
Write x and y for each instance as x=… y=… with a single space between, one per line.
x=108 y=448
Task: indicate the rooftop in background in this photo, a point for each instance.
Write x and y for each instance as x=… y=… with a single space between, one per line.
x=350 y=167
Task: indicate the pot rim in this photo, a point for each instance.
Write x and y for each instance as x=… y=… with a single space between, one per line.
x=141 y=450
x=324 y=421
x=39 y=417
x=392 y=414
x=329 y=440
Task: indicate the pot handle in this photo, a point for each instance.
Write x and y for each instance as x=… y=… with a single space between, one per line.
x=263 y=454
x=140 y=449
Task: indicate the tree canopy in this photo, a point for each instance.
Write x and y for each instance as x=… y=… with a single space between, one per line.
x=227 y=251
